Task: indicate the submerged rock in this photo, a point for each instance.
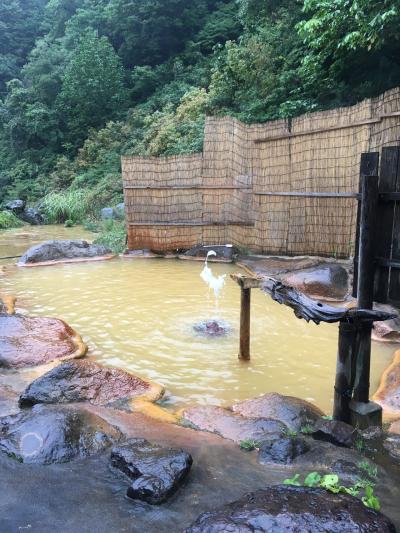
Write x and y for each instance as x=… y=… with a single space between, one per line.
x=388 y=393
x=81 y=381
x=212 y=328
x=30 y=341
x=53 y=251
x=156 y=472
x=293 y=510
x=232 y=426
x=54 y=434
x=295 y=413
x=328 y=281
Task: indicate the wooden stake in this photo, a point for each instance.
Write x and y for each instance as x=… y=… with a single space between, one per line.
x=244 y=347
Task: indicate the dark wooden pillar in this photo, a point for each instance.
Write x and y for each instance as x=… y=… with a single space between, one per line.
x=244 y=346
x=360 y=415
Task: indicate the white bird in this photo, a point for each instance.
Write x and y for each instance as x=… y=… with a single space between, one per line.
x=215 y=283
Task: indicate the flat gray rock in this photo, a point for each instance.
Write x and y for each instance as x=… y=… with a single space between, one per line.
x=62 y=250
x=156 y=472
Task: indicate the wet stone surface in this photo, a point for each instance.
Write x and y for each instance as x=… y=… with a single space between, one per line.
x=156 y=472
x=336 y=432
x=232 y=426
x=283 y=450
x=79 y=381
x=388 y=393
x=329 y=281
x=295 y=413
x=293 y=510
x=30 y=341
x=49 y=434
x=62 y=250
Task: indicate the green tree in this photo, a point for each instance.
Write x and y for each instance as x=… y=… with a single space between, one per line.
x=93 y=89
x=353 y=48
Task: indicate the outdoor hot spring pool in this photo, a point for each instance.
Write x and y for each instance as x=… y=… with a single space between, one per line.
x=139 y=315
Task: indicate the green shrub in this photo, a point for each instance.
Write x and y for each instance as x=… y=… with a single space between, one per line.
x=67 y=205
x=9 y=220
x=113 y=235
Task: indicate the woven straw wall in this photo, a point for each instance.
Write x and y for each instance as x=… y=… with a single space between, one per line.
x=231 y=192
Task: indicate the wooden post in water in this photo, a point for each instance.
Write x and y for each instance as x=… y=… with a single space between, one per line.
x=244 y=346
x=363 y=412
x=344 y=372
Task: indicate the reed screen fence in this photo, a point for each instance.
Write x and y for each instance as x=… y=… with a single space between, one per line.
x=273 y=188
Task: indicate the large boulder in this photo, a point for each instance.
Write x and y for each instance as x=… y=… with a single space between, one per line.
x=16 y=206
x=230 y=425
x=293 y=510
x=107 y=213
x=156 y=472
x=87 y=381
x=388 y=393
x=55 y=434
x=59 y=251
x=32 y=216
x=30 y=341
x=327 y=282
x=295 y=413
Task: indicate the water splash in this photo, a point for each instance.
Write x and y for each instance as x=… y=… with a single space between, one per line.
x=215 y=283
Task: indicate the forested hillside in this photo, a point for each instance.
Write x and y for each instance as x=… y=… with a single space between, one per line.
x=82 y=81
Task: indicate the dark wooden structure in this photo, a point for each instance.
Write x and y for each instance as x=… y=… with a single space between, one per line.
x=376 y=274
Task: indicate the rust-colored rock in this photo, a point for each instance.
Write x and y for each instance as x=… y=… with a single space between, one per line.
x=388 y=393
x=295 y=413
x=230 y=425
x=388 y=330
x=329 y=282
x=87 y=381
x=8 y=401
x=30 y=341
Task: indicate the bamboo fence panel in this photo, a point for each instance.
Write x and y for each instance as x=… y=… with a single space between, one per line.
x=233 y=191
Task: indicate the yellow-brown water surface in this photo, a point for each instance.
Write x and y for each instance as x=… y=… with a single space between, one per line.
x=138 y=314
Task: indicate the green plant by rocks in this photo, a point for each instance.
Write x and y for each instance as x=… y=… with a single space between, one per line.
x=59 y=207
x=363 y=488
x=113 y=235
x=9 y=220
x=249 y=444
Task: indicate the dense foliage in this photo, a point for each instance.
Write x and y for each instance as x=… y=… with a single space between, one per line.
x=82 y=81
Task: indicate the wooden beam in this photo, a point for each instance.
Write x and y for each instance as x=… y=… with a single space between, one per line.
x=354 y=195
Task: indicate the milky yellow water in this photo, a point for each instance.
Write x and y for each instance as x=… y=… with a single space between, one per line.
x=139 y=315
